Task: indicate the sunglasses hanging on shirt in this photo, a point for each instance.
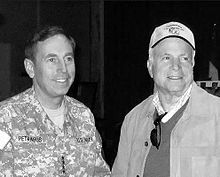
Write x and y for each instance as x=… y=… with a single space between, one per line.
x=155 y=135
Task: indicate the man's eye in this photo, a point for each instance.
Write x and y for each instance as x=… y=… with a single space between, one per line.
x=185 y=59
x=166 y=58
x=69 y=59
x=51 y=59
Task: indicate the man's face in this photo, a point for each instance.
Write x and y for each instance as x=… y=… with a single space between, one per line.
x=54 y=67
x=171 y=66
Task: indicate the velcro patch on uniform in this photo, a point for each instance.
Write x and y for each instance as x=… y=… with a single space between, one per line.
x=31 y=139
x=84 y=140
x=4 y=139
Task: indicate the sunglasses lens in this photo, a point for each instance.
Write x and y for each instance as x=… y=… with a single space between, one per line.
x=153 y=137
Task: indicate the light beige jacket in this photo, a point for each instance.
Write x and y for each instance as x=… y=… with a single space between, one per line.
x=195 y=140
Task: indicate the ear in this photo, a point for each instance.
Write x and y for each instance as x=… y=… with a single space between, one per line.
x=29 y=67
x=193 y=58
x=149 y=67
x=193 y=62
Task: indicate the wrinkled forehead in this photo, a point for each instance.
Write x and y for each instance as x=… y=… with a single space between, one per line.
x=172 y=46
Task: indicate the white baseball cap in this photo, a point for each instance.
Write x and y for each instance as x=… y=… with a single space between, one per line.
x=172 y=29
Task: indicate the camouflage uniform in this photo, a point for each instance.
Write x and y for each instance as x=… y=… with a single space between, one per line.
x=38 y=148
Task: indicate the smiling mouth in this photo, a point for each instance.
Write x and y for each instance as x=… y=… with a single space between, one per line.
x=61 y=80
x=175 y=77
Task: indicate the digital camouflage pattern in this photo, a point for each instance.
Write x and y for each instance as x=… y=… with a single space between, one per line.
x=38 y=148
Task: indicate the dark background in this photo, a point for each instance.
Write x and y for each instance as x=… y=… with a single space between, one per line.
x=112 y=49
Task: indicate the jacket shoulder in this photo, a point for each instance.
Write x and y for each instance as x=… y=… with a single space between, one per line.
x=140 y=111
x=203 y=102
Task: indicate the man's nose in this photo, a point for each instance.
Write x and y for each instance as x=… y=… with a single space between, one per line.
x=62 y=66
x=176 y=64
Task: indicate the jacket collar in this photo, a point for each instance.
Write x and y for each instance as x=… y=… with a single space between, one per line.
x=198 y=98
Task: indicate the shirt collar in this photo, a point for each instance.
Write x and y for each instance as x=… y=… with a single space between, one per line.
x=174 y=108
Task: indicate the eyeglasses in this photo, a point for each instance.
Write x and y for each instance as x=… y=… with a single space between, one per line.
x=155 y=135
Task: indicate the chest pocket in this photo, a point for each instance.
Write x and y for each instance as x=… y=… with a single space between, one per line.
x=205 y=166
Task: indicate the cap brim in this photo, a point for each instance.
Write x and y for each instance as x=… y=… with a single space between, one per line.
x=173 y=36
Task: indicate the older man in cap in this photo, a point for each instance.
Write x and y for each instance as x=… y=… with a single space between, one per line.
x=176 y=131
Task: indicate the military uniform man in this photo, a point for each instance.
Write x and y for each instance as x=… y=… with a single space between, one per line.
x=46 y=132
